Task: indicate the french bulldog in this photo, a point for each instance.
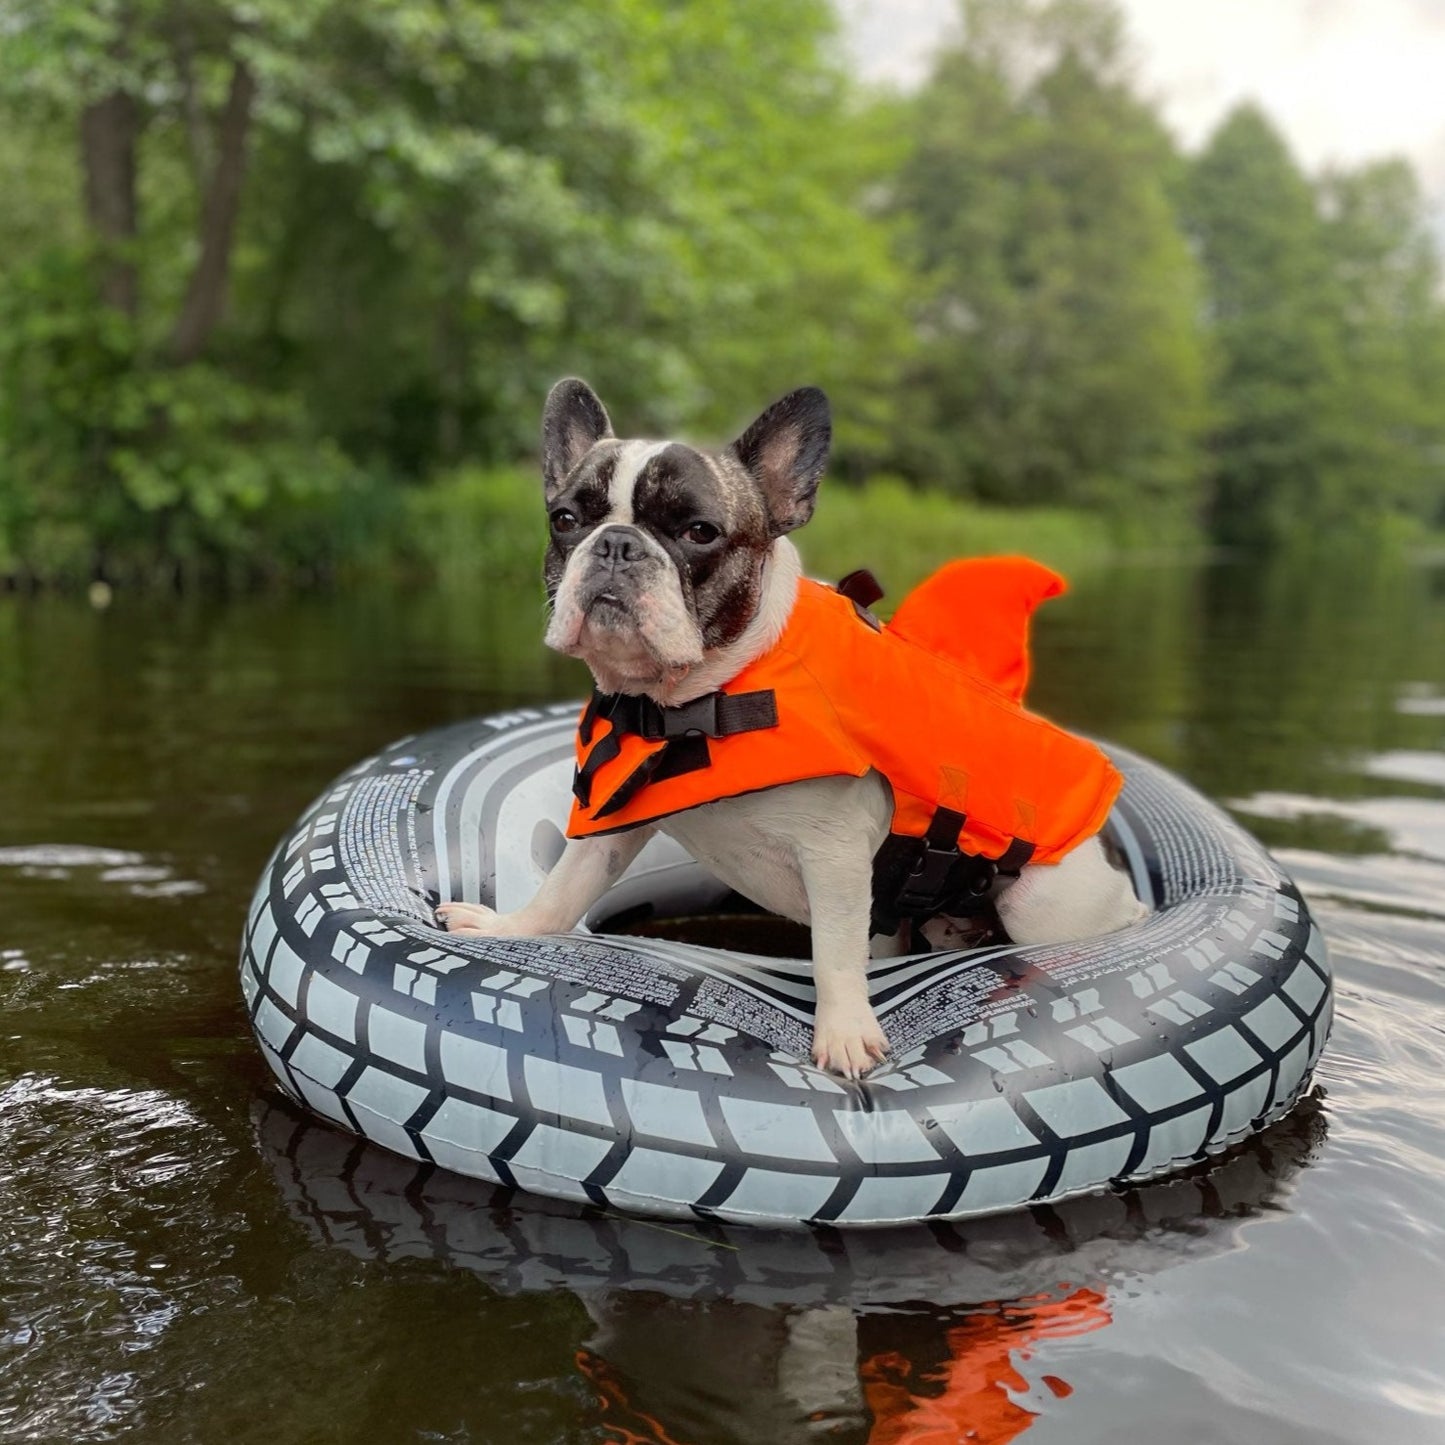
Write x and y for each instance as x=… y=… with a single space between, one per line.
x=669 y=568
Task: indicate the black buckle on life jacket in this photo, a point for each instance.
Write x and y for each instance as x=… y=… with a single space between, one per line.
x=920 y=878
x=934 y=881
x=682 y=728
x=698 y=716
x=713 y=715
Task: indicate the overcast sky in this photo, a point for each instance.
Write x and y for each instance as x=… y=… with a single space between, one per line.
x=1346 y=80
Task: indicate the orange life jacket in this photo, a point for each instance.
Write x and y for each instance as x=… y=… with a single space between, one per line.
x=932 y=700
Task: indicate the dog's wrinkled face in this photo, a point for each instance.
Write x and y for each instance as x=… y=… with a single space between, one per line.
x=657 y=548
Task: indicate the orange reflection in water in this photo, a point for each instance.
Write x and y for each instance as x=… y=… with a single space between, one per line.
x=624 y=1422
x=969 y=1394
x=956 y=1384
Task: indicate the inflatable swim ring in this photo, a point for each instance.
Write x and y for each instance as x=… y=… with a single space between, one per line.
x=672 y=1079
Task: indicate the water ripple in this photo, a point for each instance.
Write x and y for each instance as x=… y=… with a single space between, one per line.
x=135 y=872
x=80 y=1169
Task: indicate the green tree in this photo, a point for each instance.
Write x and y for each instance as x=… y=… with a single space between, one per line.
x=122 y=433
x=763 y=162
x=1325 y=304
x=1061 y=349
x=1386 y=275
x=1275 y=317
x=676 y=217
x=317 y=243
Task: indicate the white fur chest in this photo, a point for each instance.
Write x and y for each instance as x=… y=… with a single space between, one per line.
x=759 y=843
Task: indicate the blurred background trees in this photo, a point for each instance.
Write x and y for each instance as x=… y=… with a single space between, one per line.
x=1057 y=304
x=1325 y=308
x=282 y=282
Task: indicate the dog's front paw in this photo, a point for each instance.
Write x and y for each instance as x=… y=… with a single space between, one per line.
x=848 y=1043
x=475 y=920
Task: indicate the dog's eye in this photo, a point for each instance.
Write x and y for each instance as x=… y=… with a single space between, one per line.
x=564 y=521
x=702 y=533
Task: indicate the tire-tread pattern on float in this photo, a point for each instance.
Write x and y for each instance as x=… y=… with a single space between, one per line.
x=670 y=1079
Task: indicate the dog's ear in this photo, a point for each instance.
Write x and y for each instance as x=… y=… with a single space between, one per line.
x=785 y=451
x=573 y=421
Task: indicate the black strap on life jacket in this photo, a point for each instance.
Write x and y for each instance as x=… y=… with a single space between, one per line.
x=683 y=730
x=714 y=715
x=918 y=878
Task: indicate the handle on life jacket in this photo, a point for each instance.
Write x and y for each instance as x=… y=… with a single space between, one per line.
x=862 y=589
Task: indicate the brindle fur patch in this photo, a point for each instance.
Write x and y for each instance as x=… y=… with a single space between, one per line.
x=585 y=491
x=721 y=581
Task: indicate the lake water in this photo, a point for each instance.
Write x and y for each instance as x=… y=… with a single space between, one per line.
x=182 y=1257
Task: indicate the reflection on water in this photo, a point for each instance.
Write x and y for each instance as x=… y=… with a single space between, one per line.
x=895 y=1333
x=375 y=1205
x=183 y=1258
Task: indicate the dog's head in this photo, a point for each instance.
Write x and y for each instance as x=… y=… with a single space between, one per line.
x=658 y=548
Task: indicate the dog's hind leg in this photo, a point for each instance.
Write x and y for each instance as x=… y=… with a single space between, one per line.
x=1078 y=897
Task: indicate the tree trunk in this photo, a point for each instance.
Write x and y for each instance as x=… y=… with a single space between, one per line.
x=198 y=141
x=205 y=300
x=108 y=132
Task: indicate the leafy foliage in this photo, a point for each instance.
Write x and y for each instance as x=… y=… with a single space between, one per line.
x=149 y=471
x=1325 y=306
x=1061 y=354
x=441 y=206
x=272 y=266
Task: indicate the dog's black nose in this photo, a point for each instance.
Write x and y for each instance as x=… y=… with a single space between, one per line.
x=617 y=546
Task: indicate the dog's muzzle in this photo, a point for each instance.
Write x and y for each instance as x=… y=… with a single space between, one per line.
x=615 y=549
